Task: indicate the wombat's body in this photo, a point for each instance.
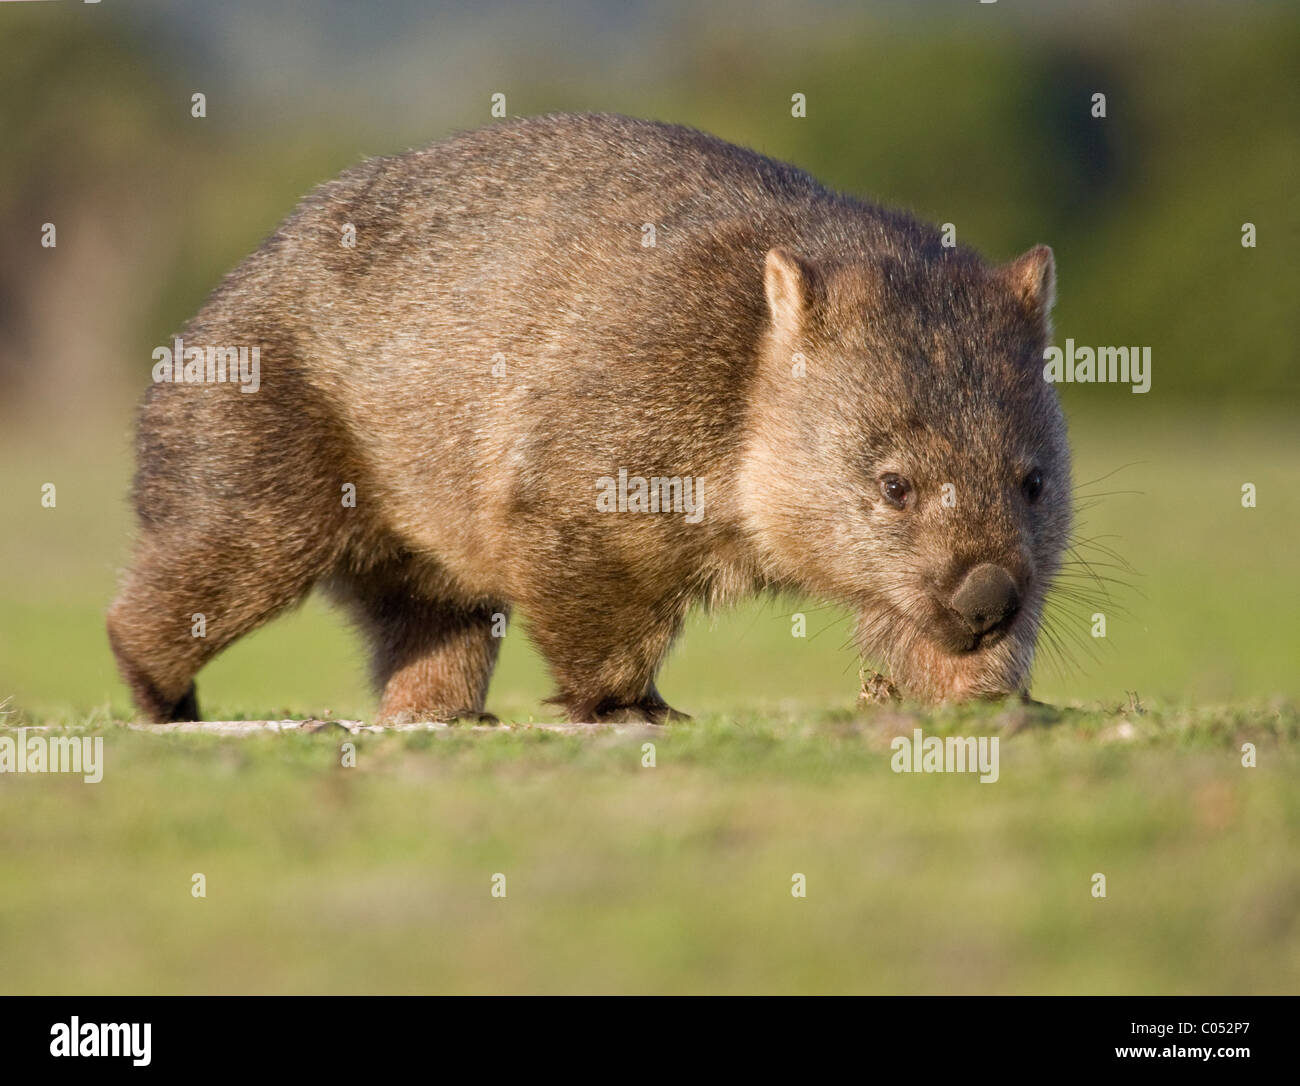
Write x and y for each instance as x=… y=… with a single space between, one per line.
x=501 y=342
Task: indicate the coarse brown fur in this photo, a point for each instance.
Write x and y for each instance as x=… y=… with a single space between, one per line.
x=500 y=339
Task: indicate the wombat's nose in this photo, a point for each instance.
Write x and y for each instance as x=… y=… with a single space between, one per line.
x=986 y=598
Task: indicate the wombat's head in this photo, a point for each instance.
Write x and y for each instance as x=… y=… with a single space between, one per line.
x=908 y=458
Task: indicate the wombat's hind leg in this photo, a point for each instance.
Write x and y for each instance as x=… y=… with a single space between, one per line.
x=157 y=703
x=432 y=660
x=182 y=603
x=157 y=654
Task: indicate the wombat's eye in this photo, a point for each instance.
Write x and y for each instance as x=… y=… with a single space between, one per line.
x=895 y=490
x=1032 y=486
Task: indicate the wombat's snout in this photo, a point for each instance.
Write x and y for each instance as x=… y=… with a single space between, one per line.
x=987 y=600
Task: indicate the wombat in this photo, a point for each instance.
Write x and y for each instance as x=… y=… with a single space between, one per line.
x=599 y=369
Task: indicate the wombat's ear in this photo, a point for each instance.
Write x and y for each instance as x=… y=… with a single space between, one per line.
x=1032 y=279
x=792 y=285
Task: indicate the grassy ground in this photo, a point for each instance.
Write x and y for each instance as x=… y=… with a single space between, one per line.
x=622 y=877
x=677 y=878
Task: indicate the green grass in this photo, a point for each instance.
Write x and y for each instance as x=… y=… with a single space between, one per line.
x=677 y=878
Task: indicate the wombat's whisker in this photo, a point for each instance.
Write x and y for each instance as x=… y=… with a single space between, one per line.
x=1085 y=603
x=1086 y=582
x=1065 y=640
x=1076 y=564
x=1094 y=498
x=1083 y=575
x=1077 y=561
x=1057 y=658
x=1105 y=582
x=1113 y=471
x=1077 y=539
x=1105 y=549
x=1054 y=654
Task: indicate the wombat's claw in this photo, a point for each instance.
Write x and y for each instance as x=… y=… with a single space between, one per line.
x=876 y=688
x=470 y=716
x=313 y=725
x=453 y=716
x=640 y=713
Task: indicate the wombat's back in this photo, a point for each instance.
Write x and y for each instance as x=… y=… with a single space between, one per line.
x=485 y=326
x=501 y=327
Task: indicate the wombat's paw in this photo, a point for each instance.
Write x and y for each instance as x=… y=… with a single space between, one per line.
x=188 y=707
x=436 y=716
x=640 y=712
x=470 y=716
x=876 y=688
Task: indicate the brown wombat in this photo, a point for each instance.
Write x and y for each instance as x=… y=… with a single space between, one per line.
x=600 y=369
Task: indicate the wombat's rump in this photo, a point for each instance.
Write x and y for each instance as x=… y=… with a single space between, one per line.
x=547 y=329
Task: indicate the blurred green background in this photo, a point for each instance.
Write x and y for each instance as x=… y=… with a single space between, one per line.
x=979 y=115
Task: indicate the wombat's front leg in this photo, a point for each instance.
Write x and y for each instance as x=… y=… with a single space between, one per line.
x=604 y=655
x=432 y=661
